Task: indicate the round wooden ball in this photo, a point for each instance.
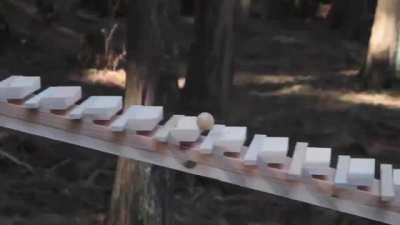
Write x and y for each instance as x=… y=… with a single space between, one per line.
x=205 y=121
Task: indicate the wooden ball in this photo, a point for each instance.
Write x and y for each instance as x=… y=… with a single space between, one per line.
x=205 y=121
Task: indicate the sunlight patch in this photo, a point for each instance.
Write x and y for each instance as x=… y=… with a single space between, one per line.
x=243 y=79
x=372 y=99
x=104 y=77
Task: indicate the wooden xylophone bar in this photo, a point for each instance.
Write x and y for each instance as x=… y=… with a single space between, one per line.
x=287 y=180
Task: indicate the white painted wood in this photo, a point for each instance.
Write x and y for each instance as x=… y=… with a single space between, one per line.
x=296 y=191
x=97 y=108
x=274 y=150
x=162 y=134
x=18 y=87
x=317 y=161
x=296 y=165
x=396 y=180
x=138 y=118
x=251 y=155
x=186 y=130
x=386 y=184
x=342 y=170
x=207 y=145
x=55 y=98
x=396 y=177
x=231 y=140
x=361 y=172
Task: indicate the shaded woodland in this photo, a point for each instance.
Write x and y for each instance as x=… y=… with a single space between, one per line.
x=321 y=71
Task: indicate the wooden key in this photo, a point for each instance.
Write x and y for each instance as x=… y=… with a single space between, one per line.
x=251 y=155
x=296 y=165
x=138 y=118
x=361 y=172
x=207 y=145
x=18 y=87
x=386 y=183
x=317 y=161
x=97 y=108
x=186 y=130
x=231 y=141
x=396 y=179
x=162 y=134
x=274 y=150
x=55 y=98
x=342 y=170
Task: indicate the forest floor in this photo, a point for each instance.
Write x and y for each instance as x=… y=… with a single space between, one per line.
x=293 y=78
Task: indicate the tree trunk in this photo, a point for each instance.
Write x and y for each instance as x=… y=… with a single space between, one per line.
x=141 y=190
x=380 y=66
x=210 y=74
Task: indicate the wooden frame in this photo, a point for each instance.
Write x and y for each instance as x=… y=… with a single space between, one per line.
x=276 y=181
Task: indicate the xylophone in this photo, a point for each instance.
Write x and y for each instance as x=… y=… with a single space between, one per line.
x=101 y=123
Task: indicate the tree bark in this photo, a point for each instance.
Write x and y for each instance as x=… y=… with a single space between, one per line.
x=210 y=74
x=140 y=190
x=380 y=65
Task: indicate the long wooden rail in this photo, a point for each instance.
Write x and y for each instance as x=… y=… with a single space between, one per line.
x=285 y=180
x=274 y=181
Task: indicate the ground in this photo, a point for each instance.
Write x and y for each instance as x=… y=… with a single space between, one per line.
x=293 y=78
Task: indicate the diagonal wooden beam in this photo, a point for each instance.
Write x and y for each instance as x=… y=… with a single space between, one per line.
x=145 y=148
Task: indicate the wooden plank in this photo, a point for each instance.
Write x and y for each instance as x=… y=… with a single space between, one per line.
x=317 y=161
x=251 y=155
x=138 y=118
x=174 y=159
x=231 y=140
x=274 y=150
x=232 y=170
x=342 y=170
x=162 y=134
x=55 y=98
x=296 y=166
x=18 y=87
x=361 y=172
x=387 y=188
x=207 y=145
x=97 y=108
x=186 y=130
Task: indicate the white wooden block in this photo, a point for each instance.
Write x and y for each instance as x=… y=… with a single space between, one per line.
x=296 y=165
x=231 y=139
x=55 y=98
x=396 y=180
x=207 y=145
x=342 y=170
x=18 y=87
x=274 y=150
x=138 y=118
x=250 y=158
x=317 y=161
x=97 y=108
x=386 y=184
x=396 y=177
x=162 y=134
x=186 y=130
x=361 y=172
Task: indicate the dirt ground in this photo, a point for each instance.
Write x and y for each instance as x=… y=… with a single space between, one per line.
x=293 y=78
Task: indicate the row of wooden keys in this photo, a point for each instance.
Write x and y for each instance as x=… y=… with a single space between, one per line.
x=220 y=139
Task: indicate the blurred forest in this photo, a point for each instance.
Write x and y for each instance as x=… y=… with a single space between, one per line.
x=320 y=71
